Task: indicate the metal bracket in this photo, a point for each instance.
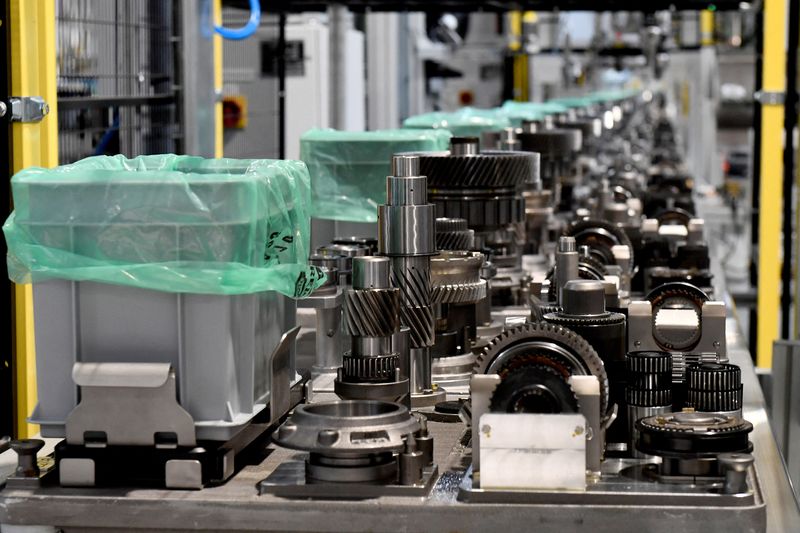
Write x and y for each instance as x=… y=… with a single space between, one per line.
x=26 y=108
x=280 y=376
x=770 y=97
x=132 y=404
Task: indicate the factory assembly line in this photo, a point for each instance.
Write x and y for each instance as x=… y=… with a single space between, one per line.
x=513 y=318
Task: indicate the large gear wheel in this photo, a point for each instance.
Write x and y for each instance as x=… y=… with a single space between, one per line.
x=537 y=343
x=489 y=169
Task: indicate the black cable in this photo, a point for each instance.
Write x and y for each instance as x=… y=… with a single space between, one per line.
x=789 y=123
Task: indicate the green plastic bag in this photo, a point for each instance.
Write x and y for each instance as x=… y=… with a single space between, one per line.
x=165 y=222
x=348 y=169
x=466 y=122
x=536 y=110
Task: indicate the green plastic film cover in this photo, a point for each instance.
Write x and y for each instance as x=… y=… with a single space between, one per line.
x=348 y=169
x=466 y=122
x=535 y=109
x=165 y=222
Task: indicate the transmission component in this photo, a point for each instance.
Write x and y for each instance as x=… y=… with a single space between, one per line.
x=406 y=236
x=485 y=188
x=679 y=318
x=649 y=389
x=608 y=244
x=714 y=388
x=454 y=234
x=583 y=311
x=541 y=347
x=457 y=289
x=356 y=441
x=689 y=443
x=558 y=149
x=372 y=369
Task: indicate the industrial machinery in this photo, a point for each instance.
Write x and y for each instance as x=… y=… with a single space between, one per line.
x=449 y=376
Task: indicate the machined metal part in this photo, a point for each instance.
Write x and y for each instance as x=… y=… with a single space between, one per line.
x=689 y=442
x=648 y=391
x=735 y=467
x=406 y=235
x=371 y=369
x=455 y=277
x=566 y=263
x=454 y=234
x=583 y=311
x=544 y=344
x=689 y=326
x=354 y=441
x=27 y=470
x=714 y=388
x=601 y=237
x=28 y=108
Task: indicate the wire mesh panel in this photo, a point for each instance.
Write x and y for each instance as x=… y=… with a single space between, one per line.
x=116 y=78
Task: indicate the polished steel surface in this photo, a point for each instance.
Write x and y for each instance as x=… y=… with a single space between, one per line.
x=371 y=272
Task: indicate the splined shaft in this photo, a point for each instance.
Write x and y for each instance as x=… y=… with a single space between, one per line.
x=371 y=369
x=406 y=235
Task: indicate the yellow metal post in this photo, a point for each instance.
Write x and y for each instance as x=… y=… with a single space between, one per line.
x=771 y=172
x=33 y=73
x=706 y=28
x=218 y=130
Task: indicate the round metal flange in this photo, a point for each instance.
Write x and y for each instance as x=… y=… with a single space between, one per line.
x=347 y=428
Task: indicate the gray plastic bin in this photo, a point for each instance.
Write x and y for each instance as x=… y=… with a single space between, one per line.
x=219 y=346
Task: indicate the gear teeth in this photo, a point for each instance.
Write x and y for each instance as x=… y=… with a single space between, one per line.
x=648 y=398
x=560 y=335
x=649 y=363
x=450 y=225
x=456 y=240
x=369 y=368
x=372 y=313
x=415 y=311
x=487 y=212
x=487 y=170
x=461 y=293
x=714 y=387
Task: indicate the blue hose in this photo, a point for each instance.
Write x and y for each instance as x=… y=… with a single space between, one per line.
x=237 y=34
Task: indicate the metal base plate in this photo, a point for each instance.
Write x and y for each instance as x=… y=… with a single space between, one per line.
x=625 y=483
x=288 y=480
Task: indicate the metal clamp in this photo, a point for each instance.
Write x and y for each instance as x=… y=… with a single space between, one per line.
x=770 y=97
x=26 y=108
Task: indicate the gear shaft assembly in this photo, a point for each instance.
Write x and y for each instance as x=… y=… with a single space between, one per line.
x=406 y=236
x=372 y=368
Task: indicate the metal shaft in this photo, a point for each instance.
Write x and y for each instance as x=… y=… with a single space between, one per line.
x=407 y=237
x=566 y=263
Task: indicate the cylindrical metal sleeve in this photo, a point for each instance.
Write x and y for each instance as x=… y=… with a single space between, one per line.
x=412 y=275
x=406 y=230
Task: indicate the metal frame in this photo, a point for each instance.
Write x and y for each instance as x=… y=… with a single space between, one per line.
x=770 y=179
x=6 y=350
x=34 y=144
